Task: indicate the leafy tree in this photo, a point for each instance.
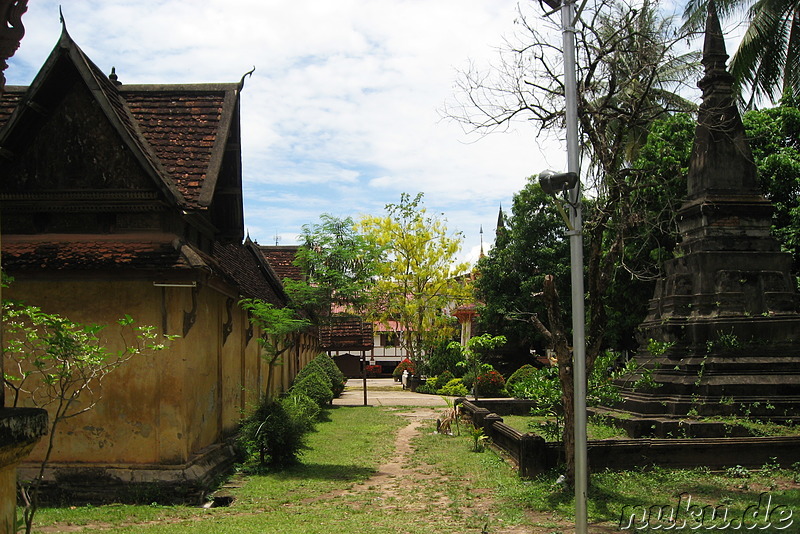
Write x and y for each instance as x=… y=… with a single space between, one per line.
x=339 y=267
x=419 y=275
x=443 y=358
x=280 y=331
x=767 y=63
x=774 y=136
x=59 y=365
x=630 y=71
x=530 y=245
x=655 y=188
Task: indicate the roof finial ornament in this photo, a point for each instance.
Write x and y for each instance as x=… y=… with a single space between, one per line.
x=481 y=254
x=64 y=33
x=246 y=74
x=113 y=77
x=11 y=32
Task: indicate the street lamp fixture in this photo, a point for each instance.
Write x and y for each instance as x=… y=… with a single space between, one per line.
x=553 y=182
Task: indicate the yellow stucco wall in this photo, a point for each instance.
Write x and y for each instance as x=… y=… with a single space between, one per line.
x=160 y=408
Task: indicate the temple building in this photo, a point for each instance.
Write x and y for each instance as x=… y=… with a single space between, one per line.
x=127 y=199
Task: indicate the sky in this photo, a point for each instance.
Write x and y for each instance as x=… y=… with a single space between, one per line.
x=343 y=111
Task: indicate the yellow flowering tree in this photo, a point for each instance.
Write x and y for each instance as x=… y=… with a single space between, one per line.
x=419 y=276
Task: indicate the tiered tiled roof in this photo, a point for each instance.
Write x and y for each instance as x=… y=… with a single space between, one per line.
x=281 y=259
x=241 y=264
x=84 y=252
x=181 y=124
x=346 y=332
x=177 y=132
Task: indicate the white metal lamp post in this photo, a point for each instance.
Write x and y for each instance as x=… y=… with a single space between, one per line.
x=569 y=182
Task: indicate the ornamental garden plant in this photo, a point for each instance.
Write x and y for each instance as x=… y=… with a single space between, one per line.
x=405 y=365
x=274 y=434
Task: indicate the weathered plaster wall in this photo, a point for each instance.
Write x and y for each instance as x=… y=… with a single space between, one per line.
x=161 y=408
x=202 y=365
x=127 y=424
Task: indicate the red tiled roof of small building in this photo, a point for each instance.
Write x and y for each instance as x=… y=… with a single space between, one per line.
x=347 y=332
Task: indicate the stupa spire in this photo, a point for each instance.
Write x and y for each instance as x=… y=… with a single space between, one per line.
x=721 y=162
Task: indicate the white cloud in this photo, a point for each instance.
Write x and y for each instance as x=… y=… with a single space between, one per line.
x=341 y=113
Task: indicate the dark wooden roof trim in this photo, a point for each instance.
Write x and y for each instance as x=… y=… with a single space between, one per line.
x=229 y=106
x=122 y=119
x=108 y=99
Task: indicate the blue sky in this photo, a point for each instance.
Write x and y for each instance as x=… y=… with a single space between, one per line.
x=342 y=114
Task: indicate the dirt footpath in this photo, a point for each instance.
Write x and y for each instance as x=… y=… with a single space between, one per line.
x=398 y=482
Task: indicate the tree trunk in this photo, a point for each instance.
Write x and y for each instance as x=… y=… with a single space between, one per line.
x=565 y=372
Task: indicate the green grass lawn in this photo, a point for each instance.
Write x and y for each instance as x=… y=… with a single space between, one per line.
x=344 y=450
x=459 y=492
x=612 y=491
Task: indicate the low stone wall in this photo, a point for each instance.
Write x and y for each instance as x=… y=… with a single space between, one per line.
x=505 y=406
x=534 y=455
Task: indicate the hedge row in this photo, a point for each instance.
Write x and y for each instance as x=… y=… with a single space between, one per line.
x=274 y=435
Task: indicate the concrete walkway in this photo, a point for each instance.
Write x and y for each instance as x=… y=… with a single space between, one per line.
x=384 y=392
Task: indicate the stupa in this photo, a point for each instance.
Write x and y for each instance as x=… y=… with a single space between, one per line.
x=722 y=334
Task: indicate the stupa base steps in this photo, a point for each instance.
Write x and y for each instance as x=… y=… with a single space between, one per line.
x=637 y=425
x=675 y=397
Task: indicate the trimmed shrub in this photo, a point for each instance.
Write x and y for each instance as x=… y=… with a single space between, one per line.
x=469 y=380
x=454 y=388
x=334 y=373
x=523 y=373
x=445 y=356
x=302 y=409
x=315 y=385
x=271 y=436
x=402 y=366
x=428 y=387
x=442 y=380
x=490 y=384
x=312 y=367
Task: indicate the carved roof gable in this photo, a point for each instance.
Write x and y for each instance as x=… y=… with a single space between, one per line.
x=178 y=134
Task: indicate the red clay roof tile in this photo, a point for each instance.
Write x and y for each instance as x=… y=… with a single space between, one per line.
x=281 y=259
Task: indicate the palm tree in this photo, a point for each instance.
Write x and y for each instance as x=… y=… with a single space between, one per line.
x=767 y=63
